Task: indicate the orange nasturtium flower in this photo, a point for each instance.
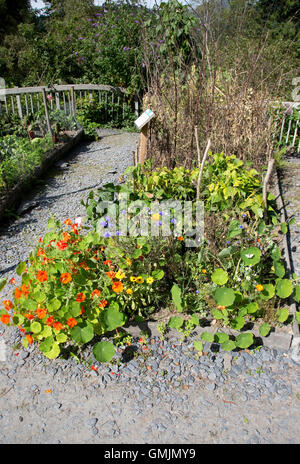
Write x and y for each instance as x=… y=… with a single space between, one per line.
x=25 y=290
x=117 y=287
x=102 y=304
x=180 y=239
x=129 y=291
x=71 y=322
x=18 y=293
x=61 y=245
x=95 y=293
x=5 y=318
x=42 y=276
x=40 y=252
x=68 y=222
x=50 y=321
x=57 y=326
x=66 y=236
x=29 y=316
x=107 y=262
x=12 y=281
x=29 y=338
x=7 y=304
x=41 y=313
x=80 y=297
x=65 y=278
x=110 y=274
x=259 y=288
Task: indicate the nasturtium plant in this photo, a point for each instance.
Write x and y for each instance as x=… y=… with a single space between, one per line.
x=251 y=256
x=282 y=314
x=228 y=345
x=104 y=351
x=207 y=337
x=244 y=340
x=176 y=297
x=198 y=345
x=219 y=276
x=175 y=322
x=224 y=296
x=268 y=292
x=221 y=337
x=284 y=288
x=264 y=329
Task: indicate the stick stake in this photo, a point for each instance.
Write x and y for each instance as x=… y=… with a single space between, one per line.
x=201 y=168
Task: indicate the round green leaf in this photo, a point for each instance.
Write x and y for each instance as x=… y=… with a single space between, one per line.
x=296 y=295
x=21 y=268
x=221 y=337
x=207 y=337
x=47 y=344
x=244 y=340
x=198 y=345
x=112 y=318
x=282 y=314
x=103 y=351
x=158 y=274
x=279 y=269
x=297 y=316
x=82 y=333
x=237 y=323
x=53 y=305
x=264 y=329
x=54 y=352
x=268 y=292
x=2 y=283
x=228 y=345
x=284 y=288
x=217 y=314
x=35 y=327
x=175 y=322
x=251 y=256
x=219 y=276
x=252 y=307
x=224 y=296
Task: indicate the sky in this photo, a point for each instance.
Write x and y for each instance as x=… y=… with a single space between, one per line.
x=40 y=4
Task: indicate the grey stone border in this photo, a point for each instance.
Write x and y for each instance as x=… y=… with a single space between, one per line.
x=11 y=198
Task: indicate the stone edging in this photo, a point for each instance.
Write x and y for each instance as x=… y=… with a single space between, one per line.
x=10 y=199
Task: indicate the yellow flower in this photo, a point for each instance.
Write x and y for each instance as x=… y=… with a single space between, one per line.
x=128 y=261
x=120 y=275
x=150 y=280
x=139 y=280
x=259 y=288
x=129 y=291
x=156 y=217
x=133 y=279
x=203 y=271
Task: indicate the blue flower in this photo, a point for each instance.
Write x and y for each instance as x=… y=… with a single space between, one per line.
x=173 y=221
x=106 y=235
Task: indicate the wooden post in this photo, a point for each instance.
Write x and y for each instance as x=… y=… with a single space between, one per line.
x=73 y=101
x=19 y=106
x=143 y=144
x=201 y=169
x=46 y=111
x=266 y=180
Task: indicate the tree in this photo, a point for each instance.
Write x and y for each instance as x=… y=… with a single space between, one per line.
x=12 y=13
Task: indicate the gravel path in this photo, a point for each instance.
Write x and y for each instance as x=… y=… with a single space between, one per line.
x=155 y=393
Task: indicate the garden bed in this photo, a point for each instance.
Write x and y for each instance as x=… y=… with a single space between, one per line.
x=10 y=199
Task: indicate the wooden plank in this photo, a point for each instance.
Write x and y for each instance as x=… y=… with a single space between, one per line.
x=31 y=103
x=26 y=104
x=73 y=102
x=19 y=106
x=143 y=144
x=22 y=90
x=12 y=104
x=57 y=102
x=46 y=111
x=295 y=133
x=69 y=102
x=65 y=105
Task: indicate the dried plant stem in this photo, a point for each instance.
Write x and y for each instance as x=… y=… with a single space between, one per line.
x=197 y=144
x=266 y=180
x=201 y=168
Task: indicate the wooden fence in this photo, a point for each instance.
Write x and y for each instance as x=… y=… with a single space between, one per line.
x=28 y=100
x=289 y=127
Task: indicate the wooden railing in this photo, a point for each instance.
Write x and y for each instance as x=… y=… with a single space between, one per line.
x=27 y=100
x=288 y=135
